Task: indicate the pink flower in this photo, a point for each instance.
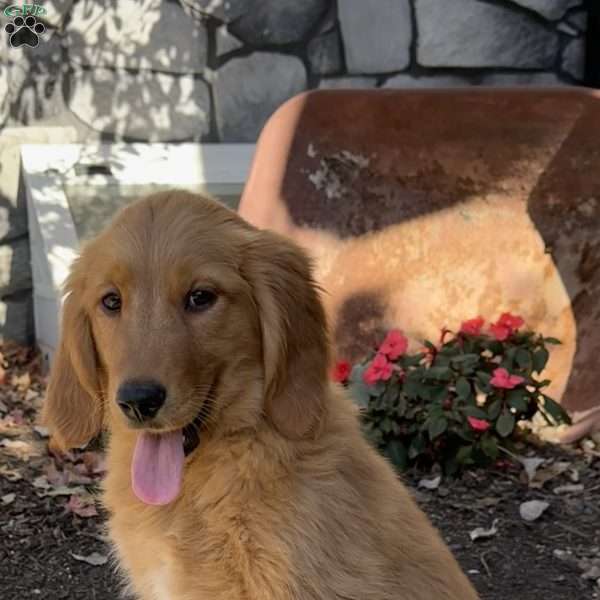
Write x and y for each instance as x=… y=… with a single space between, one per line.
x=513 y=322
x=472 y=326
x=503 y=379
x=394 y=345
x=478 y=424
x=500 y=332
x=506 y=325
x=341 y=371
x=379 y=369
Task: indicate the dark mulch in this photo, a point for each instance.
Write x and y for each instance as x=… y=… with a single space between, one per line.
x=541 y=560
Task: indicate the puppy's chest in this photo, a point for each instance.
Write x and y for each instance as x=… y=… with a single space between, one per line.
x=225 y=552
x=159 y=584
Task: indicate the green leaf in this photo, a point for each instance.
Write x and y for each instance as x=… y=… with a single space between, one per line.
x=508 y=359
x=430 y=346
x=540 y=358
x=556 y=411
x=494 y=409
x=523 y=358
x=438 y=393
x=552 y=340
x=466 y=360
x=484 y=377
x=475 y=411
x=463 y=388
x=411 y=361
x=437 y=426
x=518 y=399
x=389 y=397
x=360 y=392
x=356 y=375
x=373 y=433
x=397 y=453
x=438 y=373
x=495 y=347
x=411 y=387
x=464 y=455
x=386 y=425
x=505 y=424
x=400 y=408
x=489 y=446
x=417 y=446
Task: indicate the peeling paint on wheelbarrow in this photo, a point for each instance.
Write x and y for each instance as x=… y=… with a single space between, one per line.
x=425 y=208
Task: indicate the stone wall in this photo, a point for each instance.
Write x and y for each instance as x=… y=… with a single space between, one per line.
x=214 y=70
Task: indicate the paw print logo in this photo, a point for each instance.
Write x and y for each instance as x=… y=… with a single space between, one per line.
x=24 y=32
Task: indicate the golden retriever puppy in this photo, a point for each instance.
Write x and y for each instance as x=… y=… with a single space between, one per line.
x=236 y=470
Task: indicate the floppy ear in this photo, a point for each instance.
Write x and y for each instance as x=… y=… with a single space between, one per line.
x=73 y=406
x=294 y=334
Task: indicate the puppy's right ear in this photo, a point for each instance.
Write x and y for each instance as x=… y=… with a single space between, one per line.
x=73 y=405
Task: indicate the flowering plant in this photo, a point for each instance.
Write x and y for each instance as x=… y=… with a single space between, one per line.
x=452 y=403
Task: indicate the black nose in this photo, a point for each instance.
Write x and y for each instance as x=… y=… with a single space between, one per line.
x=141 y=400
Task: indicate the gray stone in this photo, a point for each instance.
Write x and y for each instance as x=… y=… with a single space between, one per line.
x=573 y=58
x=16 y=318
x=15 y=270
x=262 y=23
x=143 y=105
x=410 y=82
x=578 y=19
x=568 y=29
x=225 y=41
x=13 y=212
x=56 y=11
x=223 y=10
x=4 y=98
x=469 y=33
x=248 y=90
x=35 y=77
x=129 y=34
x=277 y=21
x=519 y=79
x=324 y=53
x=377 y=34
x=550 y=9
x=347 y=83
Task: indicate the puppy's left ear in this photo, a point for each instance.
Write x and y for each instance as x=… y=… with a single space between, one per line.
x=294 y=334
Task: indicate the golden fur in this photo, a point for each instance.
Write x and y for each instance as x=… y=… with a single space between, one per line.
x=283 y=499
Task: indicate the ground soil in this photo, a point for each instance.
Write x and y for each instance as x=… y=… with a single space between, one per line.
x=556 y=557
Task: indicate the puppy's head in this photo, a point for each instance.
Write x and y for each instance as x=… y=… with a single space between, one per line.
x=179 y=317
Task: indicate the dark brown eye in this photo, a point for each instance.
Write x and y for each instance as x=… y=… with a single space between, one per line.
x=111 y=302
x=199 y=300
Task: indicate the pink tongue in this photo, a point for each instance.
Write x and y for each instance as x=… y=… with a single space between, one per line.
x=157 y=466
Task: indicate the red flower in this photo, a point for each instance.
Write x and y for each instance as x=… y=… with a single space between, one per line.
x=341 y=371
x=472 y=326
x=503 y=379
x=478 y=424
x=511 y=321
x=500 y=332
x=506 y=325
x=379 y=369
x=394 y=345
